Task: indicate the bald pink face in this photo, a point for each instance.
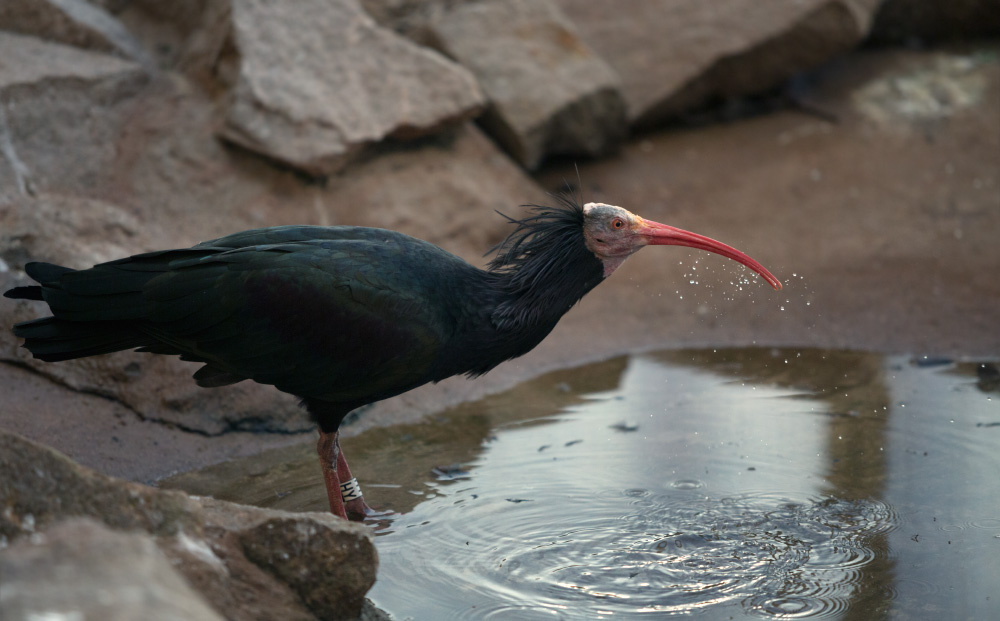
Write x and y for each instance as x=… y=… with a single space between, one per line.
x=614 y=234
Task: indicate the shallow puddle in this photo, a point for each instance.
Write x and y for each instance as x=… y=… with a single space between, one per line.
x=730 y=483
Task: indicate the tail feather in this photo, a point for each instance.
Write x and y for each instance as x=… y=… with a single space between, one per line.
x=32 y=292
x=46 y=273
x=83 y=325
x=54 y=340
x=152 y=301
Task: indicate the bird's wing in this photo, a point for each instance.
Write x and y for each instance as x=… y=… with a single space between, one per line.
x=296 y=234
x=339 y=317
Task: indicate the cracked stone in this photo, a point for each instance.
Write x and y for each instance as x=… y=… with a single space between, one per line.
x=549 y=93
x=317 y=81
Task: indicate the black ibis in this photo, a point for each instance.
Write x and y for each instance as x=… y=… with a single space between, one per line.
x=342 y=316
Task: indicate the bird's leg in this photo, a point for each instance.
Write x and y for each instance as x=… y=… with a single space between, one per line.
x=342 y=489
x=328 y=448
x=354 y=503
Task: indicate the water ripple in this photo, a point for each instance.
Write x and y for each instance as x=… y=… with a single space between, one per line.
x=771 y=555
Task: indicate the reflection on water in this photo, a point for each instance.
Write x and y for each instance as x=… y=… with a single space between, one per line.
x=772 y=483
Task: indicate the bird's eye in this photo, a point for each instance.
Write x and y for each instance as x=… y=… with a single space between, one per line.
x=618 y=223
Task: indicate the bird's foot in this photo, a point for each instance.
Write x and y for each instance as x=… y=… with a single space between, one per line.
x=350 y=492
x=359 y=511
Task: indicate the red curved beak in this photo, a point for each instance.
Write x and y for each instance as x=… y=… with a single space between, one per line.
x=664 y=235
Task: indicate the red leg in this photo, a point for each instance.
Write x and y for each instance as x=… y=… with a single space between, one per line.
x=357 y=509
x=338 y=480
x=328 y=448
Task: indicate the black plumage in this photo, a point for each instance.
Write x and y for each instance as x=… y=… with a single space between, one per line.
x=338 y=316
x=341 y=316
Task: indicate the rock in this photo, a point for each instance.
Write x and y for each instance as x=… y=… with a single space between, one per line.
x=105 y=435
x=80 y=569
x=406 y=16
x=166 y=29
x=909 y=21
x=246 y=562
x=41 y=487
x=446 y=192
x=265 y=564
x=938 y=88
x=673 y=56
x=317 y=81
x=73 y=231
x=73 y=22
x=53 y=94
x=316 y=552
x=548 y=93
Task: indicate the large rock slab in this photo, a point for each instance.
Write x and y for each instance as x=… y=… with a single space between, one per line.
x=549 y=93
x=105 y=435
x=675 y=55
x=248 y=563
x=53 y=96
x=40 y=487
x=315 y=81
x=81 y=569
x=73 y=22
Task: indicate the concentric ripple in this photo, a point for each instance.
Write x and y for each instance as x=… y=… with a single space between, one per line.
x=667 y=553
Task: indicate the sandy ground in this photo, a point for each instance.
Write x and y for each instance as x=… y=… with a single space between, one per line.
x=884 y=227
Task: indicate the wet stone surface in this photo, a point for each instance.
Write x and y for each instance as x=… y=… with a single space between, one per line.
x=726 y=483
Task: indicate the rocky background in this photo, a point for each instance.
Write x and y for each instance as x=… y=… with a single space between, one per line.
x=852 y=146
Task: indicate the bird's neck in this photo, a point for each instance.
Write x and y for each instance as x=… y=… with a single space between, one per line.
x=540 y=292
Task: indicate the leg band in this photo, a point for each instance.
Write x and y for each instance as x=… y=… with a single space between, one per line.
x=350 y=490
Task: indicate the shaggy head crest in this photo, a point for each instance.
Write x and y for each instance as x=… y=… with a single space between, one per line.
x=551 y=234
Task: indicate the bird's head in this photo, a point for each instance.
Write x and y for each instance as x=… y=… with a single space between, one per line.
x=613 y=234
